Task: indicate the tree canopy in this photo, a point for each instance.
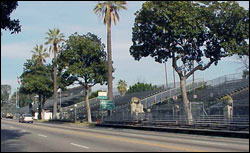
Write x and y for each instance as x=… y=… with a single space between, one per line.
x=37 y=78
x=5 y=92
x=138 y=87
x=83 y=58
x=122 y=87
x=194 y=35
x=7 y=7
x=188 y=31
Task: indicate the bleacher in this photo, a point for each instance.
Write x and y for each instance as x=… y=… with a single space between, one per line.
x=215 y=92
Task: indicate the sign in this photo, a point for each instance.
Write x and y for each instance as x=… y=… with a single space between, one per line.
x=102 y=95
x=106 y=105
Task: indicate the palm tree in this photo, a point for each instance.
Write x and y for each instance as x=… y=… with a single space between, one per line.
x=39 y=54
x=109 y=11
x=54 y=38
x=122 y=87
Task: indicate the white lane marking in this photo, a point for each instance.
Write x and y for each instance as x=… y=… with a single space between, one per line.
x=12 y=127
x=24 y=131
x=79 y=145
x=40 y=135
x=211 y=143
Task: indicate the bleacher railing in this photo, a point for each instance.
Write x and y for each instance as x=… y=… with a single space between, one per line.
x=225 y=79
x=166 y=95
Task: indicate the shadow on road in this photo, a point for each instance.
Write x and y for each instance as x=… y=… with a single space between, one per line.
x=10 y=140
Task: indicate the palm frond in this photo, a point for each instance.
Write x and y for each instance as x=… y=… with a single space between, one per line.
x=109 y=10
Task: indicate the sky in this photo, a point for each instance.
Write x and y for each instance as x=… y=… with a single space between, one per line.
x=37 y=17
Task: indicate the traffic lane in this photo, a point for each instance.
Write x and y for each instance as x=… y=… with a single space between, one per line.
x=19 y=141
x=10 y=140
x=76 y=142
x=166 y=145
x=193 y=143
x=95 y=144
x=36 y=141
x=153 y=134
x=58 y=141
x=203 y=142
x=99 y=142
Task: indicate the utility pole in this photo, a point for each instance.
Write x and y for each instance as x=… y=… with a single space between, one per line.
x=165 y=63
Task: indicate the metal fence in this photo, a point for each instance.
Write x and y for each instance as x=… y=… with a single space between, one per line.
x=225 y=79
x=218 y=122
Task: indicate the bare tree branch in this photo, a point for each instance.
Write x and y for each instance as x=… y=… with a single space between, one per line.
x=200 y=67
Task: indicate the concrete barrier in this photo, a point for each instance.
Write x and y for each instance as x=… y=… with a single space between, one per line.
x=233 y=134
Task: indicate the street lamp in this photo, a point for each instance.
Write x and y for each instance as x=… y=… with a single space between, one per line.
x=60 y=90
x=164 y=31
x=38 y=108
x=166 y=74
x=17 y=98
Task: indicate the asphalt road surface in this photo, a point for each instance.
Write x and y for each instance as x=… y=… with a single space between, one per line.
x=26 y=137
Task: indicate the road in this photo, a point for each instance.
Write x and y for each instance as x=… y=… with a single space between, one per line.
x=25 y=137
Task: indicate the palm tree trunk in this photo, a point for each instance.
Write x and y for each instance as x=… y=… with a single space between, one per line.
x=110 y=78
x=55 y=90
x=87 y=103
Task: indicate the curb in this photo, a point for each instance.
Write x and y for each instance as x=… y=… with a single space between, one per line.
x=232 y=134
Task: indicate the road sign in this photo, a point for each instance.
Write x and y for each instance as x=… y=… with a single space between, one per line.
x=102 y=95
x=106 y=105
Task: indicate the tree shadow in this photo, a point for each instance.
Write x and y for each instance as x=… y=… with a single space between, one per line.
x=11 y=140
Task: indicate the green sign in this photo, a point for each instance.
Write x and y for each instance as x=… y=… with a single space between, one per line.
x=102 y=97
x=106 y=105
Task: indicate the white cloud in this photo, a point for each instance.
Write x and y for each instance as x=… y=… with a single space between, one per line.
x=20 y=50
x=69 y=29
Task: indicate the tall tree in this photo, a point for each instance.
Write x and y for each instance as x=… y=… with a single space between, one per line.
x=84 y=58
x=54 y=38
x=109 y=12
x=40 y=54
x=122 y=87
x=7 y=7
x=200 y=32
x=37 y=79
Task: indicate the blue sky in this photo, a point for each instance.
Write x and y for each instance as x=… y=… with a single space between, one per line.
x=36 y=17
